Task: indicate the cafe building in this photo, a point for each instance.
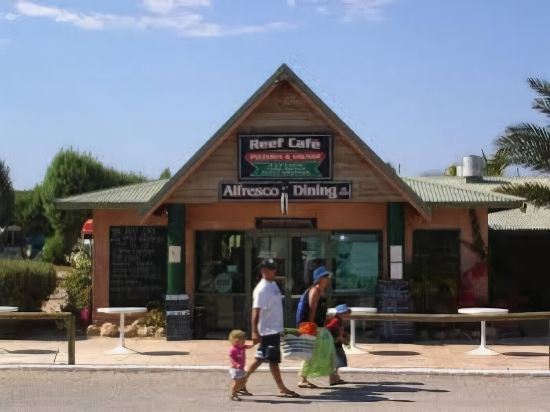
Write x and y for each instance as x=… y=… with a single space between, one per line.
x=286 y=178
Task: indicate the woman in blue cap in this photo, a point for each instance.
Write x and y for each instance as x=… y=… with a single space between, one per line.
x=315 y=310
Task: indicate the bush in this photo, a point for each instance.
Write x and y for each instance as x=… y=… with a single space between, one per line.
x=26 y=284
x=155 y=316
x=78 y=283
x=53 y=250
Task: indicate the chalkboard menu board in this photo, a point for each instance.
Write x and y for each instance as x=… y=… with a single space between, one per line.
x=393 y=296
x=138 y=256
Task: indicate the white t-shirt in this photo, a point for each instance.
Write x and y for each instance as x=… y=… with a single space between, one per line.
x=267 y=297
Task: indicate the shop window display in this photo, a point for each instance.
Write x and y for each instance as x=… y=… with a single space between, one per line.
x=357 y=262
x=220 y=263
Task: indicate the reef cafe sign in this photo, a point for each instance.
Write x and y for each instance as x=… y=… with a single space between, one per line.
x=285 y=157
x=291 y=191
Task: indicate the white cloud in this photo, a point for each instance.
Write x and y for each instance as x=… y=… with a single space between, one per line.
x=168 y=6
x=346 y=9
x=83 y=21
x=369 y=9
x=179 y=19
x=8 y=16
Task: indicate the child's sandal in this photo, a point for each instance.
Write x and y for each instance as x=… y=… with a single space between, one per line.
x=234 y=398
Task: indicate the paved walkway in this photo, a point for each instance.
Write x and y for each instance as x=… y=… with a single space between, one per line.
x=213 y=353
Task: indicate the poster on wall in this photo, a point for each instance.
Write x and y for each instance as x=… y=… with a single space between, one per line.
x=279 y=157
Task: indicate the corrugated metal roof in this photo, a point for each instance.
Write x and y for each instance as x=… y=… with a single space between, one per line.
x=434 y=190
x=514 y=219
x=457 y=192
x=486 y=183
x=122 y=197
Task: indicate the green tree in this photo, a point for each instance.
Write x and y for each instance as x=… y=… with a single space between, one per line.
x=166 y=174
x=29 y=212
x=71 y=173
x=494 y=165
x=528 y=145
x=7 y=195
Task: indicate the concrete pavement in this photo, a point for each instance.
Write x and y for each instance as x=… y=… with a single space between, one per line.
x=160 y=353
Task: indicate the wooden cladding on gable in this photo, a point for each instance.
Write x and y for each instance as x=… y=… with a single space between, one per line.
x=284 y=111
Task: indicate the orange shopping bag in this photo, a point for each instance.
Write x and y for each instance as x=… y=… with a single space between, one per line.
x=307 y=328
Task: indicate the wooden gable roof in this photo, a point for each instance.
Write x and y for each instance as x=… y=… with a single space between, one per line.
x=246 y=119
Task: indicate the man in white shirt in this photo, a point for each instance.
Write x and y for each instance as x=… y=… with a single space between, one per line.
x=267 y=325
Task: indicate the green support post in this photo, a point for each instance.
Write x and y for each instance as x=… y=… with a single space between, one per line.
x=396 y=233
x=176 y=249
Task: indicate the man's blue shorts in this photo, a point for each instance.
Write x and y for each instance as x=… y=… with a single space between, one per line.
x=269 y=349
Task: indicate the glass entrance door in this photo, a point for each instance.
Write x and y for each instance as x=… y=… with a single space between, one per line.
x=297 y=254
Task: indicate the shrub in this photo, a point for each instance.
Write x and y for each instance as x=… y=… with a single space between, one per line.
x=26 y=284
x=155 y=316
x=78 y=282
x=53 y=250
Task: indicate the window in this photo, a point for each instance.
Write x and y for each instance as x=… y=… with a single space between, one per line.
x=436 y=270
x=357 y=261
x=220 y=262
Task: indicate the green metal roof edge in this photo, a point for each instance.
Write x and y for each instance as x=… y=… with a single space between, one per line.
x=286 y=73
x=508 y=200
x=98 y=205
x=74 y=202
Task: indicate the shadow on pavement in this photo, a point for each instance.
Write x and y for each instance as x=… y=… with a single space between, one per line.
x=32 y=351
x=394 y=353
x=283 y=401
x=369 y=392
x=524 y=354
x=164 y=353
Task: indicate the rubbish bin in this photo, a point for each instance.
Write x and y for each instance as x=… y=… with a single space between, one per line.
x=200 y=324
x=178 y=317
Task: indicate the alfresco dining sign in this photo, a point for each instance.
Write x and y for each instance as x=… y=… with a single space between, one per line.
x=294 y=190
x=276 y=157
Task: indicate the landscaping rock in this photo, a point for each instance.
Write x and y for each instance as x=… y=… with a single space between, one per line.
x=146 y=331
x=109 y=330
x=136 y=323
x=93 y=330
x=160 y=333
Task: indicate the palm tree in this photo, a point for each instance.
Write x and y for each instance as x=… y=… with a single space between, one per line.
x=528 y=145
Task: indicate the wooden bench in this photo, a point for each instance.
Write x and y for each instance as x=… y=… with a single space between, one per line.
x=67 y=318
x=444 y=317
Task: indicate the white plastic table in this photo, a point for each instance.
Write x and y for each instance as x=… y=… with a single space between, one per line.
x=354 y=310
x=121 y=349
x=482 y=350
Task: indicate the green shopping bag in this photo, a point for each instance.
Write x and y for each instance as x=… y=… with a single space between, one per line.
x=322 y=361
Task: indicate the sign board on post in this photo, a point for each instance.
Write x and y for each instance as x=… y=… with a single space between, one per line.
x=285 y=156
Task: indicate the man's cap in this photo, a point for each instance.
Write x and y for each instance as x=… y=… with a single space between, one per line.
x=341 y=309
x=319 y=273
x=268 y=263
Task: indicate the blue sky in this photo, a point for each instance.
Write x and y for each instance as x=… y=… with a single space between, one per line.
x=141 y=84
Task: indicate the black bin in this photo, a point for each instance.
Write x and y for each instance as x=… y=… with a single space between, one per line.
x=200 y=322
x=178 y=317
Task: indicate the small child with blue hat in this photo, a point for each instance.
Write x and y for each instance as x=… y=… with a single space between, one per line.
x=336 y=328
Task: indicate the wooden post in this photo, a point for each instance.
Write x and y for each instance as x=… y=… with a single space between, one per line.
x=71 y=338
